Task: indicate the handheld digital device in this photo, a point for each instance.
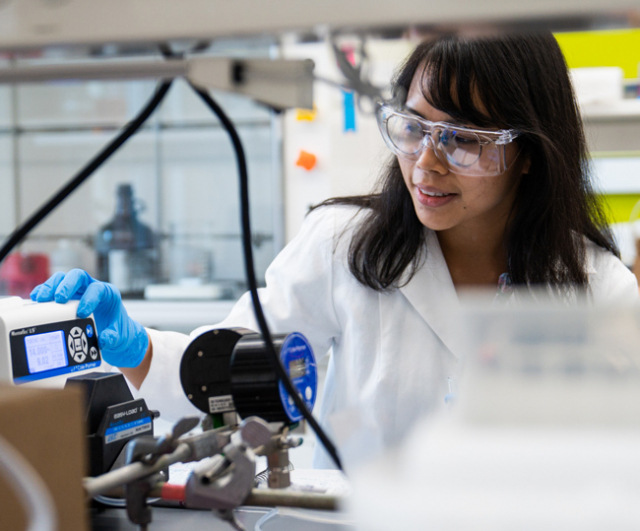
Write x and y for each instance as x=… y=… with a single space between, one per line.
x=42 y=344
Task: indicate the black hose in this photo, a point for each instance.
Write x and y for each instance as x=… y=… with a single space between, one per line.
x=127 y=132
x=251 y=276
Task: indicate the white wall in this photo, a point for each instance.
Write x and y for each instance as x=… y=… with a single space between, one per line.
x=347 y=162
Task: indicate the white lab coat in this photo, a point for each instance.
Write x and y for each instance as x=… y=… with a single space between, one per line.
x=392 y=353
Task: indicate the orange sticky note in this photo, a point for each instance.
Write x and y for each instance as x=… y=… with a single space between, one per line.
x=306 y=160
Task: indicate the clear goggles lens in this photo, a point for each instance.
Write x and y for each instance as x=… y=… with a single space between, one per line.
x=463 y=150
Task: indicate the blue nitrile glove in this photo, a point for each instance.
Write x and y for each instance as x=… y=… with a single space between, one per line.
x=123 y=341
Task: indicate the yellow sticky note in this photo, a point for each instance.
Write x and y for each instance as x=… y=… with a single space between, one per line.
x=306 y=115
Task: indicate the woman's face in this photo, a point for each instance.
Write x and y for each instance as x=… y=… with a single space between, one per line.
x=446 y=201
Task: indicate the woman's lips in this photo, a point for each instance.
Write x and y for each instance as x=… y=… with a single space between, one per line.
x=434 y=198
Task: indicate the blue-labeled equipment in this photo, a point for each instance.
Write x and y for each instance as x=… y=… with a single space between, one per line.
x=46 y=344
x=297 y=357
x=52 y=349
x=112 y=417
x=228 y=370
x=42 y=344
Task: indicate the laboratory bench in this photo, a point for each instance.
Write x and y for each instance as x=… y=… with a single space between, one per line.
x=252 y=518
x=170 y=519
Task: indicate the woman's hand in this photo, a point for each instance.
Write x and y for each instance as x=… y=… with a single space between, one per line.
x=123 y=341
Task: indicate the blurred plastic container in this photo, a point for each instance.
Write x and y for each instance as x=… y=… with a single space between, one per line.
x=20 y=273
x=544 y=435
x=598 y=84
x=65 y=256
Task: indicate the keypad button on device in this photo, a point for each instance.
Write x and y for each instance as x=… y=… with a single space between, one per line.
x=78 y=344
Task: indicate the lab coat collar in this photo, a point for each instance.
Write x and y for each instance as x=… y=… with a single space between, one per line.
x=432 y=293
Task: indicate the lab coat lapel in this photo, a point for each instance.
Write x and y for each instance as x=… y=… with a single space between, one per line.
x=432 y=293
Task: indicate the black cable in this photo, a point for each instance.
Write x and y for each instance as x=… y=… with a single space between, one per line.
x=251 y=276
x=128 y=131
x=248 y=256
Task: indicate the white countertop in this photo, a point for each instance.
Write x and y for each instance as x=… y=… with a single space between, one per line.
x=180 y=316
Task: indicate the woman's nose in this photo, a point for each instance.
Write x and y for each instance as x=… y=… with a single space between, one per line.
x=428 y=159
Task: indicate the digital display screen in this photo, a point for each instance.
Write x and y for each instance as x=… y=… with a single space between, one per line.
x=46 y=351
x=297 y=368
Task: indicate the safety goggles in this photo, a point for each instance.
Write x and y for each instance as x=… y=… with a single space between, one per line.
x=466 y=151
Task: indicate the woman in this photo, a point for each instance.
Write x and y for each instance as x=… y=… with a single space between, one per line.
x=488 y=184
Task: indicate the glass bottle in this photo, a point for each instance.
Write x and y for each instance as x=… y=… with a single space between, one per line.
x=127 y=248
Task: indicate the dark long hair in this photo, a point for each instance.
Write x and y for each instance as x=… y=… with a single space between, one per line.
x=522 y=81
